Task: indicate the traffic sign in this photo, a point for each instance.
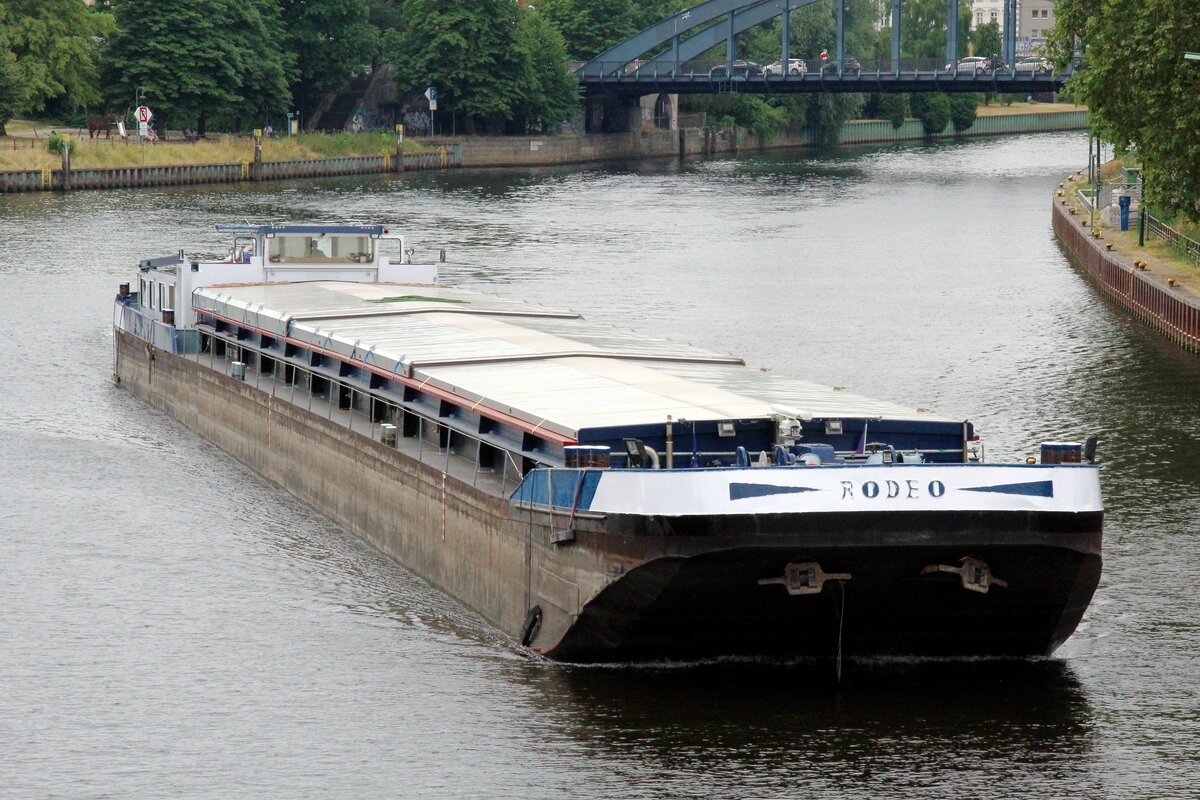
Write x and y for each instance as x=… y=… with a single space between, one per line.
x=144 y=114
x=431 y=94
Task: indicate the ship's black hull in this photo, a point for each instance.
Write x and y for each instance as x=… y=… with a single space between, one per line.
x=703 y=603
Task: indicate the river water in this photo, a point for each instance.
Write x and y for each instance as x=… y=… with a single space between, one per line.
x=172 y=626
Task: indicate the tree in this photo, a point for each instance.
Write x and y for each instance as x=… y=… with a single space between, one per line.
x=328 y=39
x=49 y=52
x=963 y=107
x=592 y=26
x=923 y=28
x=1142 y=95
x=549 y=92
x=932 y=109
x=894 y=108
x=986 y=39
x=10 y=82
x=469 y=51
x=197 y=60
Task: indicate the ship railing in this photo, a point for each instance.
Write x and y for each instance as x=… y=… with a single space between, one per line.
x=705 y=458
x=147 y=327
x=343 y=402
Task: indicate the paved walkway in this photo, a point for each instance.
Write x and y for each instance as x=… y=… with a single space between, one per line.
x=1163 y=262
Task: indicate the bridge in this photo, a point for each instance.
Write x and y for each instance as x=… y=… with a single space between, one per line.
x=667 y=57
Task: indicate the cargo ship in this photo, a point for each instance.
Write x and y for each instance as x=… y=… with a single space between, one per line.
x=597 y=494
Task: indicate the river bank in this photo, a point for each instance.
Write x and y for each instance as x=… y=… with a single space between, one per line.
x=515 y=151
x=1159 y=287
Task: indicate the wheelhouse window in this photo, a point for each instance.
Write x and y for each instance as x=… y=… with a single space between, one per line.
x=319 y=248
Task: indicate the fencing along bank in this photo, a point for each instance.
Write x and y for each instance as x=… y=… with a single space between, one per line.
x=509 y=151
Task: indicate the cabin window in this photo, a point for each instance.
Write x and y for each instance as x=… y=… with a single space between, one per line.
x=171 y=296
x=142 y=292
x=319 y=248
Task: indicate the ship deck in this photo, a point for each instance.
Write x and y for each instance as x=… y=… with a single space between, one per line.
x=549 y=367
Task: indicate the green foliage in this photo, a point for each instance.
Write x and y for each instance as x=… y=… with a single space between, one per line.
x=963 y=107
x=328 y=40
x=549 y=92
x=894 y=108
x=986 y=39
x=747 y=111
x=10 y=82
x=490 y=60
x=932 y=109
x=55 y=143
x=1142 y=94
x=49 y=49
x=923 y=28
x=334 y=145
x=592 y=26
x=197 y=60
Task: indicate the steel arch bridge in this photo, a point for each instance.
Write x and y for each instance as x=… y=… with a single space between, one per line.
x=680 y=39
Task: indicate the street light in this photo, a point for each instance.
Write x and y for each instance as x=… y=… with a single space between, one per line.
x=1192 y=56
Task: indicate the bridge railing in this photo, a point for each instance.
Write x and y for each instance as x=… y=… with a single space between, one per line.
x=817 y=69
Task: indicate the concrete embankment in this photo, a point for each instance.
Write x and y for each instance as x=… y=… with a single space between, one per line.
x=1148 y=294
x=523 y=151
x=529 y=151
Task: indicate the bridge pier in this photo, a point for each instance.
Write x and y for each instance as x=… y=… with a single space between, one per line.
x=608 y=114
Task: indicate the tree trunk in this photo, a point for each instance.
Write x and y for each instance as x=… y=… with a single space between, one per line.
x=201 y=125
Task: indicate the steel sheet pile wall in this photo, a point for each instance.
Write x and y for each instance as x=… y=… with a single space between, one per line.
x=129 y=177
x=1169 y=311
x=184 y=174
x=25 y=180
x=321 y=167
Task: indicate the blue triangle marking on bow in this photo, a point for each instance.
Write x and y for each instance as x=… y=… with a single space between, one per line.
x=741 y=491
x=1032 y=489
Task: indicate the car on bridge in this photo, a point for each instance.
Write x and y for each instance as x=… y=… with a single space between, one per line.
x=848 y=66
x=741 y=69
x=796 y=66
x=1033 y=66
x=971 y=65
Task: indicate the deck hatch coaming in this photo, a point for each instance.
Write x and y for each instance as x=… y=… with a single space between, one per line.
x=531 y=361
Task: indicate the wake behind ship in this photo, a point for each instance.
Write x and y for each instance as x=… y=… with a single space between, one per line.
x=596 y=494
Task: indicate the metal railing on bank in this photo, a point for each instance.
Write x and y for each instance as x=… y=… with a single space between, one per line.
x=1187 y=246
x=1107 y=196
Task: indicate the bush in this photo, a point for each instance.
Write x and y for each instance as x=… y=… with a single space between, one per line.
x=54 y=143
x=753 y=113
x=894 y=108
x=933 y=109
x=963 y=108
